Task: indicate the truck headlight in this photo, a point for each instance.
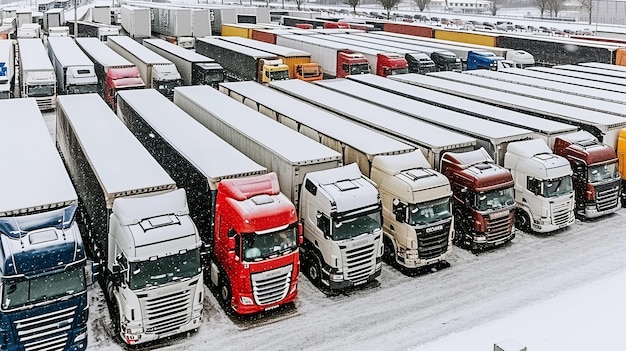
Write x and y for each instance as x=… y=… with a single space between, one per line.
x=246 y=300
x=80 y=337
x=336 y=277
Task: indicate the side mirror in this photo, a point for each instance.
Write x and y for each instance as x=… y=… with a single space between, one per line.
x=231 y=244
x=300 y=236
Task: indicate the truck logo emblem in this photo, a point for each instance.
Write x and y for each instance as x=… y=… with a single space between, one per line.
x=434 y=229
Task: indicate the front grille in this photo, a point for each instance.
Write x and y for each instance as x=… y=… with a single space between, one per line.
x=44 y=103
x=47 y=332
x=498 y=228
x=271 y=286
x=561 y=213
x=167 y=313
x=607 y=197
x=359 y=262
x=433 y=244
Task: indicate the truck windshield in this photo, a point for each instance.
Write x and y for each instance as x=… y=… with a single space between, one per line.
x=15 y=227
x=429 y=212
x=164 y=269
x=279 y=75
x=82 y=89
x=399 y=71
x=18 y=292
x=607 y=171
x=40 y=90
x=212 y=77
x=354 y=225
x=494 y=199
x=258 y=247
x=556 y=187
x=359 y=68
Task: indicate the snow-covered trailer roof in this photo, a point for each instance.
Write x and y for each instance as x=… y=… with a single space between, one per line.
x=410 y=130
x=271 y=48
x=543 y=127
x=211 y=155
x=141 y=52
x=605 y=66
x=101 y=53
x=460 y=51
x=256 y=54
x=67 y=52
x=346 y=132
x=535 y=93
x=570 y=79
x=281 y=140
x=607 y=125
x=119 y=161
x=594 y=70
x=33 y=55
x=185 y=54
x=33 y=174
x=566 y=88
x=578 y=74
x=355 y=43
x=314 y=40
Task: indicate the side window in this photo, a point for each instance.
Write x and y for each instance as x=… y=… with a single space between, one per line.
x=534 y=186
x=237 y=244
x=344 y=67
x=323 y=223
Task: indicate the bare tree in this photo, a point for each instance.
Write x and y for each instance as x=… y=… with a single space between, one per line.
x=388 y=5
x=587 y=6
x=542 y=5
x=353 y=4
x=421 y=4
x=493 y=7
x=299 y=4
x=556 y=6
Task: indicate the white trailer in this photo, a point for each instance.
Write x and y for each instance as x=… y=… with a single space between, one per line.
x=53 y=18
x=310 y=175
x=605 y=66
x=546 y=129
x=37 y=78
x=136 y=21
x=135 y=221
x=29 y=30
x=603 y=126
x=74 y=70
x=156 y=71
x=579 y=74
x=432 y=140
x=7 y=69
x=569 y=79
x=603 y=73
x=415 y=241
x=194 y=69
x=101 y=14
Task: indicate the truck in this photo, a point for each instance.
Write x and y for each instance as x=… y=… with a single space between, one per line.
x=29 y=30
x=243 y=63
x=583 y=102
x=298 y=61
x=136 y=21
x=195 y=69
x=485 y=60
x=484 y=202
x=74 y=70
x=417 y=218
x=544 y=191
x=156 y=71
x=114 y=72
x=7 y=69
x=444 y=60
x=93 y=29
x=586 y=92
x=44 y=270
x=385 y=61
x=37 y=78
x=334 y=58
x=53 y=18
x=172 y=23
x=63 y=31
x=597 y=182
x=249 y=228
x=135 y=223
x=420 y=63
x=339 y=208
x=430 y=139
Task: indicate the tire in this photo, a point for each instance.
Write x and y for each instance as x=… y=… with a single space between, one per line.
x=389 y=252
x=225 y=292
x=522 y=221
x=314 y=270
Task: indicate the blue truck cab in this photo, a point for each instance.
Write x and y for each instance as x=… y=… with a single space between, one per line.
x=485 y=60
x=44 y=272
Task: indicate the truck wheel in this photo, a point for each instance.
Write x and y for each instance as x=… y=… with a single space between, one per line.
x=225 y=293
x=314 y=270
x=389 y=252
x=522 y=221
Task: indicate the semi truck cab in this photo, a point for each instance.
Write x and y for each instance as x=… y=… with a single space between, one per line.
x=351 y=63
x=420 y=63
x=447 y=61
x=389 y=64
x=486 y=60
x=207 y=74
x=80 y=80
x=274 y=70
x=165 y=78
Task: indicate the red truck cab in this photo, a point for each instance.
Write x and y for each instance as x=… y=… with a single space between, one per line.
x=389 y=64
x=120 y=79
x=596 y=178
x=351 y=63
x=483 y=199
x=256 y=256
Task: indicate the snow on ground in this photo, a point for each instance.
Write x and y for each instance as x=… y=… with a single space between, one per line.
x=559 y=291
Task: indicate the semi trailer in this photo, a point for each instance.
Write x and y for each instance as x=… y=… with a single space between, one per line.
x=7 y=69
x=37 y=78
x=74 y=70
x=581 y=79
x=135 y=222
x=248 y=227
x=339 y=208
